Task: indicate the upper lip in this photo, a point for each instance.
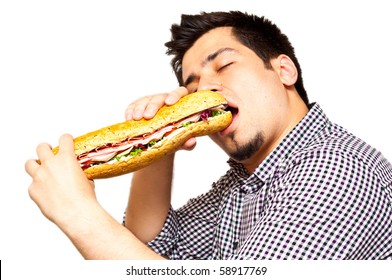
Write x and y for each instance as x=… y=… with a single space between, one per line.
x=232 y=108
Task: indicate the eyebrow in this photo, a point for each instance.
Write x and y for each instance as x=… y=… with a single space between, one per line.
x=207 y=60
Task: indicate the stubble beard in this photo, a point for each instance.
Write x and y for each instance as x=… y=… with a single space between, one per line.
x=245 y=151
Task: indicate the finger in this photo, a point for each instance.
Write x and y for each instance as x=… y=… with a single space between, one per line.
x=190 y=144
x=129 y=112
x=44 y=151
x=175 y=95
x=139 y=107
x=146 y=107
x=153 y=106
x=31 y=167
x=66 y=143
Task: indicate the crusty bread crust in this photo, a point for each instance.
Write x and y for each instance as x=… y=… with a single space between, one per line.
x=210 y=126
x=188 y=105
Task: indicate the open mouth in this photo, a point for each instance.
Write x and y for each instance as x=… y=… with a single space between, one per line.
x=234 y=111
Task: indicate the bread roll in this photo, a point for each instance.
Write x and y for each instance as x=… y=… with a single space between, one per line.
x=190 y=104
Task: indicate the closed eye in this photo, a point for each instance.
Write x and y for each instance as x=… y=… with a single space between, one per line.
x=225 y=66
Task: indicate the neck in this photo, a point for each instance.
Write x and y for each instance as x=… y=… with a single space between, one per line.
x=295 y=112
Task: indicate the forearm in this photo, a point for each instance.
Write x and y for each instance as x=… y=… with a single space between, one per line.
x=98 y=236
x=149 y=199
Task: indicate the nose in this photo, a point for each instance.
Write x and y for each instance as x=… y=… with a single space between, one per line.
x=210 y=84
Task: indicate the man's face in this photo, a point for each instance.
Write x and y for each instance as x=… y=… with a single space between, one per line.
x=218 y=61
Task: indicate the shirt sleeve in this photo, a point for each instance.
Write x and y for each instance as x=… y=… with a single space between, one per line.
x=328 y=205
x=164 y=243
x=188 y=232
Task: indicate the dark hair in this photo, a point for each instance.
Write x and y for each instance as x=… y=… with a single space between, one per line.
x=257 y=33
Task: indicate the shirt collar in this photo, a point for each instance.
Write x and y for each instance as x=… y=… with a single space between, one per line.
x=314 y=121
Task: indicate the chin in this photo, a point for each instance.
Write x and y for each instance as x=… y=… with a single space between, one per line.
x=242 y=151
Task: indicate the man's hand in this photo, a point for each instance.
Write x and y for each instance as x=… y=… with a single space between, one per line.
x=147 y=106
x=59 y=187
x=66 y=197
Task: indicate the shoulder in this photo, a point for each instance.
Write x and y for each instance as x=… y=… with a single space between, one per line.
x=335 y=150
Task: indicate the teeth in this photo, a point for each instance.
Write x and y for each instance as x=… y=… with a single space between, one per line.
x=222 y=106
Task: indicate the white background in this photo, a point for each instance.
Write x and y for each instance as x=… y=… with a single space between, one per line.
x=74 y=66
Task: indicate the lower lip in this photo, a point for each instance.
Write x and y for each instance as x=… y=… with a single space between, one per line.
x=231 y=127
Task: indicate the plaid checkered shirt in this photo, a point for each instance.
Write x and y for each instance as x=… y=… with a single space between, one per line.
x=321 y=194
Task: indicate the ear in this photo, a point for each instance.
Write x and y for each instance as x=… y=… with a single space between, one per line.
x=286 y=69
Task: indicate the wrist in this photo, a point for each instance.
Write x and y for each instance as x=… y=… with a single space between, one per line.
x=97 y=235
x=79 y=220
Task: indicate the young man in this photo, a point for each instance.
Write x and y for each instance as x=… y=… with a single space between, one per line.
x=298 y=187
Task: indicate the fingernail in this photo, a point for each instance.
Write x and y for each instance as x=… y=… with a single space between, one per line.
x=128 y=116
x=137 y=115
x=149 y=113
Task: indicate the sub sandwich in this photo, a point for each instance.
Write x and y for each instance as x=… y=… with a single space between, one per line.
x=131 y=145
